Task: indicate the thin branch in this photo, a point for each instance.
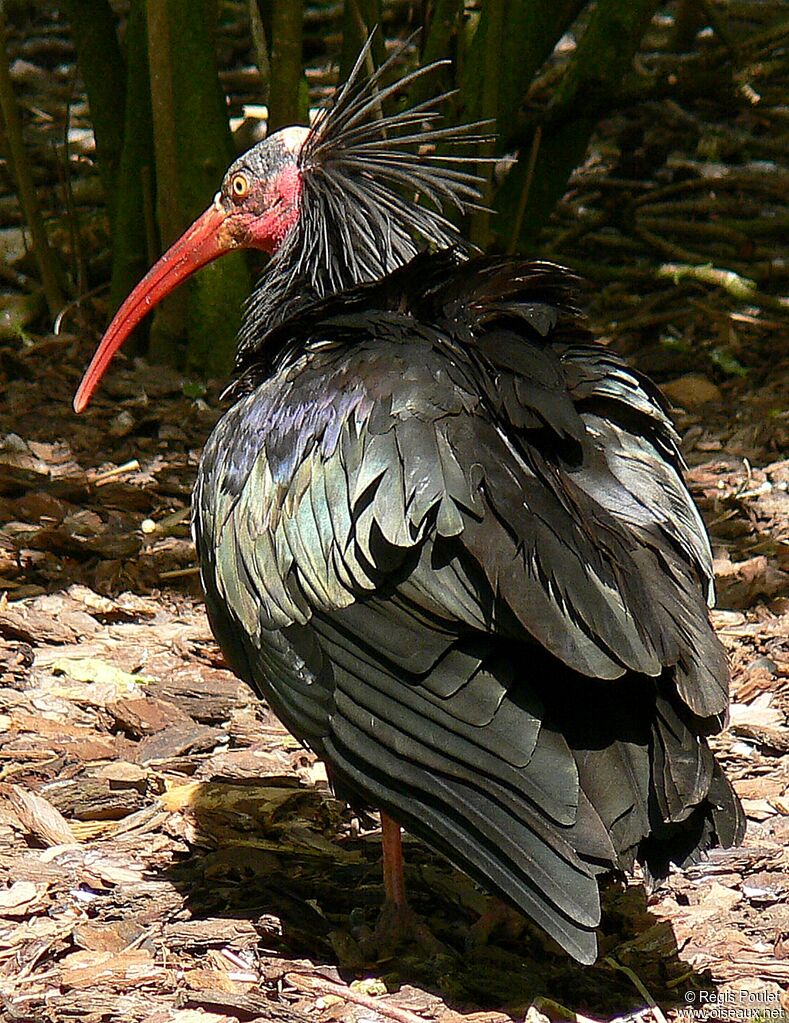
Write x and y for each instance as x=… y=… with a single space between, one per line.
x=494 y=13
x=524 y=199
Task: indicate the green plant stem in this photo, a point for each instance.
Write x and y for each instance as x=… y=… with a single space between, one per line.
x=193 y=147
x=602 y=59
x=285 y=94
x=527 y=34
x=444 y=26
x=132 y=248
x=171 y=315
x=260 y=44
x=102 y=68
x=45 y=257
x=606 y=49
x=359 y=19
x=488 y=107
x=741 y=288
x=524 y=199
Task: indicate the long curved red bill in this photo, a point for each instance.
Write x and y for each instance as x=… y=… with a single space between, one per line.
x=206 y=240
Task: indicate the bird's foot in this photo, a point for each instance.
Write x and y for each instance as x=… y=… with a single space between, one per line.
x=399 y=930
x=498 y=917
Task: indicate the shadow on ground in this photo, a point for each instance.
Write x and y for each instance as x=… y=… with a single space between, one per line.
x=316 y=907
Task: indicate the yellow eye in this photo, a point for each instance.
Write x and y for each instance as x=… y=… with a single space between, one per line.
x=239 y=185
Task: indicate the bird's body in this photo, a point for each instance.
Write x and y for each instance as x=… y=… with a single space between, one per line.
x=445 y=534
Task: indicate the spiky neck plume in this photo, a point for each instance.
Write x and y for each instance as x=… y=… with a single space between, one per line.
x=359 y=212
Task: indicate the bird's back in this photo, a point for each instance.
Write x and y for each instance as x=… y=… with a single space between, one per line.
x=446 y=536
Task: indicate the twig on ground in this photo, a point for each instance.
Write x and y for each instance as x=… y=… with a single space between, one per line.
x=741 y=288
x=582 y=226
x=668 y=249
x=117 y=470
x=555 y=1010
x=180 y=573
x=639 y=986
x=320 y=985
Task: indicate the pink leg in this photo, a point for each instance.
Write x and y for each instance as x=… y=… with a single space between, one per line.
x=392 y=846
x=398 y=925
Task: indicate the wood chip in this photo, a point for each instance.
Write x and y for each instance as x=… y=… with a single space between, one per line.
x=93 y=799
x=190 y=1016
x=145 y=715
x=112 y=937
x=119 y=969
x=123 y=775
x=211 y=933
x=21 y=899
x=32 y=626
x=176 y=740
x=38 y=816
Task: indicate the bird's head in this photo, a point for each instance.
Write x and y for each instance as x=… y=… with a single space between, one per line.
x=256 y=207
x=259 y=201
x=335 y=204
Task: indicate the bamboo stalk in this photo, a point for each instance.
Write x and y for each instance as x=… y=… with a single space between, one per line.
x=512 y=247
x=286 y=63
x=439 y=43
x=45 y=256
x=135 y=244
x=193 y=147
x=359 y=19
x=171 y=316
x=591 y=84
x=489 y=101
x=260 y=44
x=101 y=67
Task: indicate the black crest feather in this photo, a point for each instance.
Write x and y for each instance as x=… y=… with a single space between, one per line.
x=364 y=174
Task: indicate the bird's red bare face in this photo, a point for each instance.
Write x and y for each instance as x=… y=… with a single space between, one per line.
x=261 y=192
x=256 y=208
x=263 y=212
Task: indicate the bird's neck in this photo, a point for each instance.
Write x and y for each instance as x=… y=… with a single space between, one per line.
x=282 y=291
x=319 y=258
x=279 y=294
